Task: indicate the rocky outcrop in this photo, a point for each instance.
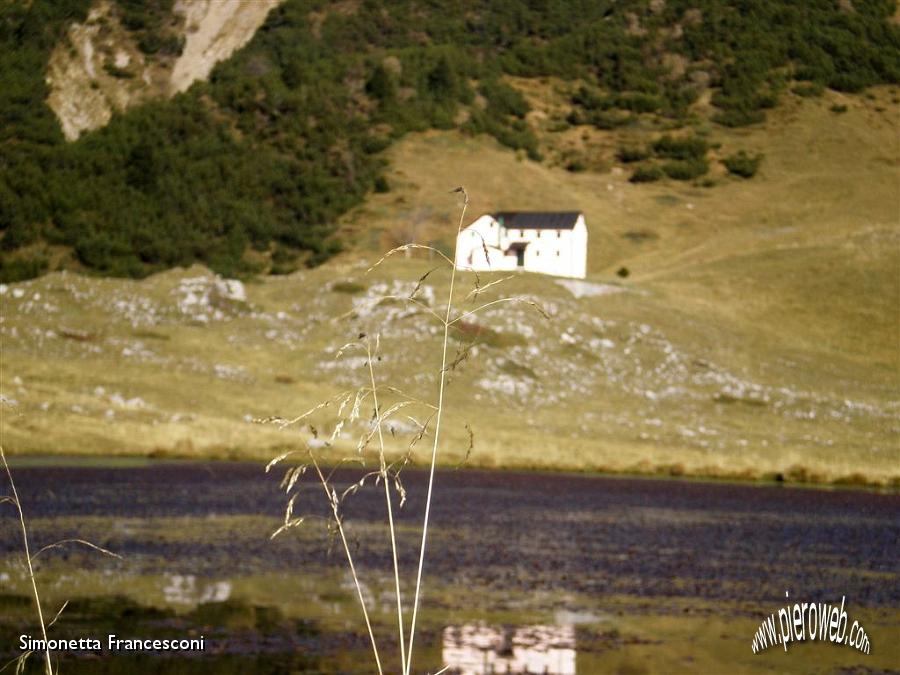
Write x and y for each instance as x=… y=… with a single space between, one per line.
x=99 y=69
x=214 y=30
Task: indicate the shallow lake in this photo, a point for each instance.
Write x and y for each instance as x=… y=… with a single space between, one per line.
x=526 y=572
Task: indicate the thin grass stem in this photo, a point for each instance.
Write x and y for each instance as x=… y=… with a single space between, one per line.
x=488 y=304
x=48 y=666
x=390 y=509
x=332 y=498
x=434 y=447
x=415 y=301
x=407 y=247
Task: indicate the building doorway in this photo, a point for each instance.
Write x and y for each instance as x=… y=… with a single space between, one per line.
x=517 y=248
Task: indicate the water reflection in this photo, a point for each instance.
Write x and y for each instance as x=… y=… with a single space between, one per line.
x=476 y=649
x=184 y=589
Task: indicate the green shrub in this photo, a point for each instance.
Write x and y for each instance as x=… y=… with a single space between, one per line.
x=172 y=45
x=381 y=84
x=284 y=260
x=680 y=148
x=743 y=165
x=685 y=169
x=639 y=103
x=631 y=153
x=635 y=101
x=838 y=108
x=646 y=173
x=382 y=185
x=443 y=81
x=155 y=43
x=739 y=117
x=558 y=126
x=282 y=254
x=148 y=20
x=517 y=135
x=504 y=99
x=590 y=99
x=576 y=118
x=375 y=144
x=610 y=119
x=21 y=269
x=117 y=72
x=679 y=99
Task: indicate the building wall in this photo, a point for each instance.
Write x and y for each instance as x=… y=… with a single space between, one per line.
x=578 y=267
x=557 y=252
x=484 y=233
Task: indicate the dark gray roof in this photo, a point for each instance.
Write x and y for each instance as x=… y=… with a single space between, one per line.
x=537 y=220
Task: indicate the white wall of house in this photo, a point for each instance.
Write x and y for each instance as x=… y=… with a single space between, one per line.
x=560 y=252
x=479 y=247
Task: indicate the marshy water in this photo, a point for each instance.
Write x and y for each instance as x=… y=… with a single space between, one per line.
x=525 y=573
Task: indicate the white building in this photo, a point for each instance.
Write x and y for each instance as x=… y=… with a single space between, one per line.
x=548 y=242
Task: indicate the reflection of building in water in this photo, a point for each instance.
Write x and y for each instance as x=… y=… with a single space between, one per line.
x=476 y=649
x=184 y=589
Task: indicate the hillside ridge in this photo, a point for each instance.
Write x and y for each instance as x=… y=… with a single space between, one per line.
x=288 y=135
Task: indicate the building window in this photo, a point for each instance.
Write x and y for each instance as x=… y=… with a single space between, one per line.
x=537 y=253
x=558 y=234
x=557 y=254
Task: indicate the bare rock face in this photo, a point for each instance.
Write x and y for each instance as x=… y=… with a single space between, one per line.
x=98 y=68
x=82 y=92
x=214 y=30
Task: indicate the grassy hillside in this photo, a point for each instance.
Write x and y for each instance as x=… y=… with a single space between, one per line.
x=808 y=247
x=755 y=336
x=737 y=165
x=249 y=171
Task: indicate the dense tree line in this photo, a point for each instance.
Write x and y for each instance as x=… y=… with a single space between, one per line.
x=285 y=136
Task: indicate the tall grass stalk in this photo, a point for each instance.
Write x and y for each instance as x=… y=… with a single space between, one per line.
x=390 y=509
x=349 y=405
x=437 y=435
x=331 y=494
x=48 y=666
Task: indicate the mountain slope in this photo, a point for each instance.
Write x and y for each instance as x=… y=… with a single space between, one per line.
x=737 y=167
x=752 y=338
x=249 y=171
